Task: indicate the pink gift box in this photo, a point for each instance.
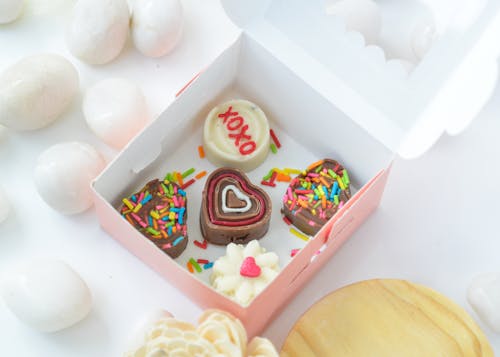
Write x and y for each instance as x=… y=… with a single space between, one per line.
x=316 y=114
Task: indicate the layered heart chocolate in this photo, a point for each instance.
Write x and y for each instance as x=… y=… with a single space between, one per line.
x=314 y=196
x=233 y=209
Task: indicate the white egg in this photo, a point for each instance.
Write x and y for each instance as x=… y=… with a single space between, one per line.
x=484 y=296
x=63 y=175
x=10 y=10
x=36 y=91
x=115 y=109
x=423 y=36
x=156 y=26
x=98 y=30
x=4 y=206
x=47 y=8
x=47 y=295
x=363 y=16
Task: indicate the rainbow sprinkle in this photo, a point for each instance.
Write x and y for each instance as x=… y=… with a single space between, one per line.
x=195 y=265
x=275 y=138
x=187 y=172
x=158 y=212
x=299 y=234
x=321 y=190
x=201 y=152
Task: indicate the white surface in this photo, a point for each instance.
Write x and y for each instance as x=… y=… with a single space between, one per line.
x=436 y=226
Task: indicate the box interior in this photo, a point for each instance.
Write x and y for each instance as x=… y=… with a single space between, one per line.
x=404 y=111
x=309 y=126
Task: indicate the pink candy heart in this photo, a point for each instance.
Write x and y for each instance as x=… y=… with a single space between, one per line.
x=249 y=268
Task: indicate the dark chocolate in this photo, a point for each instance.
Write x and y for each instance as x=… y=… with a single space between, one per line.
x=233 y=209
x=303 y=202
x=161 y=216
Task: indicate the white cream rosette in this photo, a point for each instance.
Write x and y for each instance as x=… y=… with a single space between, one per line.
x=218 y=335
x=228 y=279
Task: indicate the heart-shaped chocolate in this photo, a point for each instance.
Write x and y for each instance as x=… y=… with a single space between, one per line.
x=159 y=212
x=314 y=196
x=233 y=209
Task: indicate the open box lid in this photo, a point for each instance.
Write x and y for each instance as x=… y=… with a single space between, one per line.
x=405 y=113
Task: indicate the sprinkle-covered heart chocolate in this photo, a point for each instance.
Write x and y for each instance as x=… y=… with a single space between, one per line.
x=233 y=209
x=159 y=212
x=315 y=195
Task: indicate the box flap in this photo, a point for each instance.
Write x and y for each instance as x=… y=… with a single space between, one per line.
x=405 y=113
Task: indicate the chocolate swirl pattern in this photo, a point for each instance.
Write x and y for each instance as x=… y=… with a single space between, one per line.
x=313 y=197
x=233 y=210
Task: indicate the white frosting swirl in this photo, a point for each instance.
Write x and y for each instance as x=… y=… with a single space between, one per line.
x=261 y=347
x=226 y=277
x=218 y=335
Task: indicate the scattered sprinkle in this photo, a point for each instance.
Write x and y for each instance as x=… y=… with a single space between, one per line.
x=178 y=177
x=202 y=261
x=273 y=177
x=275 y=138
x=188 y=172
x=201 y=152
x=208 y=265
x=286 y=220
x=294 y=252
x=314 y=164
x=195 y=265
x=127 y=203
x=190 y=267
x=299 y=234
x=283 y=178
x=201 y=245
x=270 y=184
x=200 y=175
x=178 y=240
x=273 y=148
x=292 y=171
x=187 y=184
x=268 y=175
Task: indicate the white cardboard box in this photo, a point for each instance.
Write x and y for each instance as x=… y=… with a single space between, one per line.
x=317 y=112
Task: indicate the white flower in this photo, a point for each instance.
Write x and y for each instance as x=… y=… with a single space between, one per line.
x=218 y=335
x=229 y=278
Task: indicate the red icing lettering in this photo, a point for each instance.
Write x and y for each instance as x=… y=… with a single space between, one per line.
x=248 y=148
x=231 y=123
x=241 y=135
x=227 y=114
x=234 y=122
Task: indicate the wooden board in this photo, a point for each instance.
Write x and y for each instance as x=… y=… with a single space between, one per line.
x=385 y=318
